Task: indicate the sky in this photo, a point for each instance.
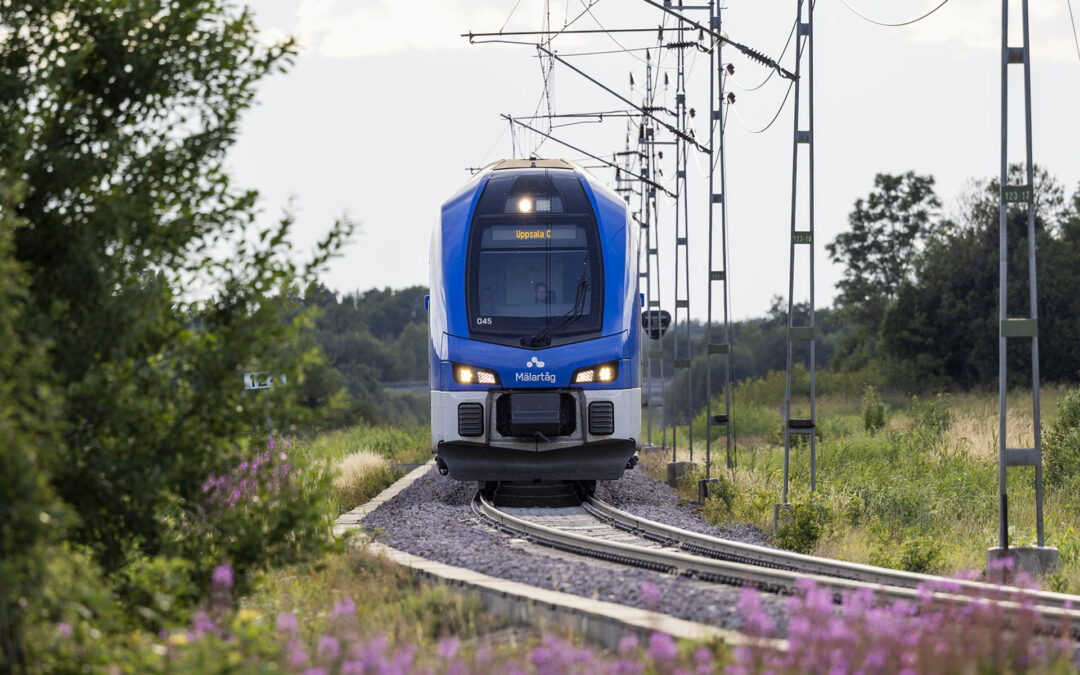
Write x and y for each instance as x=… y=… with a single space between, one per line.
x=387 y=108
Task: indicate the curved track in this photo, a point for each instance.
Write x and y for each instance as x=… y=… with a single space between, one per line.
x=720 y=560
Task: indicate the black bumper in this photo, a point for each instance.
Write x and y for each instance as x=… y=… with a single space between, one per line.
x=604 y=460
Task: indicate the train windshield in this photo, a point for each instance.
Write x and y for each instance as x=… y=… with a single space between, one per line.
x=534 y=269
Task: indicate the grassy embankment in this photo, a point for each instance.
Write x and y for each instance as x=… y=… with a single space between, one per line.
x=919 y=492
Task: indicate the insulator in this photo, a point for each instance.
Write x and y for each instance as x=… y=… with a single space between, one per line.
x=731 y=97
x=758 y=56
x=666 y=82
x=700 y=34
x=641 y=133
x=692 y=113
x=660 y=34
x=648 y=56
x=731 y=69
x=631 y=79
x=660 y=154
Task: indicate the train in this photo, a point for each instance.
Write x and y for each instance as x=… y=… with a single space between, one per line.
x=534 y=330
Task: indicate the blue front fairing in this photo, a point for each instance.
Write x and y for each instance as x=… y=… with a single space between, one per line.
x=450 y=338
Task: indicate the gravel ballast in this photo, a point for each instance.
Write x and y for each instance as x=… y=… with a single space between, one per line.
x=432 y=518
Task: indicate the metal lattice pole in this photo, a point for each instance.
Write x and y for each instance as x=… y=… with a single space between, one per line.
x=717 y=265
x=1017 y=328
x=792 y=424
x=682 y=357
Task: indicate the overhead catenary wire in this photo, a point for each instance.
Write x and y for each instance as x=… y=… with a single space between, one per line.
x=892 y=25
x=1072 y=24
x=585 y=152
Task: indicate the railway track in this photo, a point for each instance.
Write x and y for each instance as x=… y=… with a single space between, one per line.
x=599 y=530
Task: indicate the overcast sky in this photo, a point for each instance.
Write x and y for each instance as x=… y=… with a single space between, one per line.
x=387 y=107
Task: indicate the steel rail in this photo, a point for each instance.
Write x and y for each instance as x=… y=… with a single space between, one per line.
x=1009 y=600
x=703 y=544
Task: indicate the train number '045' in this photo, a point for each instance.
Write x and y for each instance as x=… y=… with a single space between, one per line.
x=483 y=321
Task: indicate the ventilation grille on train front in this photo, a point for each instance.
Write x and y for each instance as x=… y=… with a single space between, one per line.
x=601 y=418
x=470 y=419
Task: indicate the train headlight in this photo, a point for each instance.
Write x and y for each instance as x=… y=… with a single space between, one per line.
x=605 y=372
x=525 y=205
x=471 y=375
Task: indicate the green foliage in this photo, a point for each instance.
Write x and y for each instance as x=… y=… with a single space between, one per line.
x=31 y=519
x=909 y=551
x=873 y=410
x=887 y=229
x=1061 y=446
x=145 y=279
x=934 y=415
x=269 y=508
x=802 y=524
x=369 y=339
x=943 y=326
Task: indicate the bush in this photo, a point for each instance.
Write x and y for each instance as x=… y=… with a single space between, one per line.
x=913 y=552
x=1061 y=447
x=934 y=415
x=802 y=525
x=359 y=477
x=873 y=410
x=263 y=511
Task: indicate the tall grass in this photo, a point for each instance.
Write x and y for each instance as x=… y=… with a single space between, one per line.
x=919 y=493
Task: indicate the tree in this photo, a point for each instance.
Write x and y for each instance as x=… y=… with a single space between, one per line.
x=943 y=326
x=30 y=516
x=144 y=279
x=887 y=230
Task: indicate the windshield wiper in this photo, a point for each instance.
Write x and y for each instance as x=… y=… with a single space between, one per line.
x=543 y=338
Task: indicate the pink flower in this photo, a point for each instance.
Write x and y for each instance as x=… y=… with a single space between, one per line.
x=448 y=648
x=662 y=647
x=650 y=594
x=286 y=623
x=344 y=607
x=223 y=576
x=64 y=629
x=329 y=648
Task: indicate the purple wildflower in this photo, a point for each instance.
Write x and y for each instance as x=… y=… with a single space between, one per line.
x=201 y=624
x=223 y=576
x=344 y=607
x=329 y=648
x=297 y=655
x=662 y=647
x=629 y=643
x=650 y=594
x=286 y=623
x=448 y=648
x=64 y=629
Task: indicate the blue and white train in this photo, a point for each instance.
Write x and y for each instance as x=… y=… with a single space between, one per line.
x=535 y=336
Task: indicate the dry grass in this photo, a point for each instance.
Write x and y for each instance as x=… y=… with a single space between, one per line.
x=358 y=477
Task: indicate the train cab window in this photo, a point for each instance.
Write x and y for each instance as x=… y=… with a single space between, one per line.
x=534 y=274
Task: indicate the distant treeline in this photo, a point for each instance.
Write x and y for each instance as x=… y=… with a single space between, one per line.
x=917 y=308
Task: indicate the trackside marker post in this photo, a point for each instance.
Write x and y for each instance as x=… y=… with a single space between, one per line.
x=264 y=380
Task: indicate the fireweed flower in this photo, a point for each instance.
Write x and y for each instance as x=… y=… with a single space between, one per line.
x=650 y=594
x=628 y=644
x=223 y=577
x=286 y=623
x=662 y=647
x=344 y=607
x=448 y=648
x=329 y=648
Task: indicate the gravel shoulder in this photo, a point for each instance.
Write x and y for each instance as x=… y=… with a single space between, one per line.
x=433 y=518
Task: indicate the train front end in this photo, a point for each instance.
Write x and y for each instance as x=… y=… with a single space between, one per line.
x=534 y=329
